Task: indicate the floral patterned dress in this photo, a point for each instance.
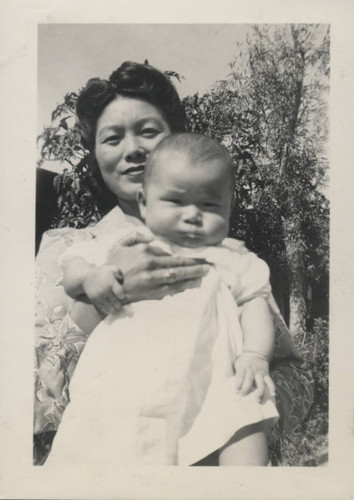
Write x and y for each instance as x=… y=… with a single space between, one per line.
x=59 y=343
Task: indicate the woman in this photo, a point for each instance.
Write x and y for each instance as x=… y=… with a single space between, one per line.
x=121 y=121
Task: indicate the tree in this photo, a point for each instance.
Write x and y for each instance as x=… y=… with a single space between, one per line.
x=62 y=141
x=271 y=113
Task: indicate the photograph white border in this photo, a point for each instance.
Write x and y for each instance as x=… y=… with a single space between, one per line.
x=18 y=80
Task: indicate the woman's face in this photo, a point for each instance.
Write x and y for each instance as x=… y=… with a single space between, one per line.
x=127 y=131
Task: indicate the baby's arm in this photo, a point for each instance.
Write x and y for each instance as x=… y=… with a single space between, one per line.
x=95 y=286
x=100 y=285
x=250 y=287
x=252 y=366
x=257 y=324
x=94 y=289
x=86 y=316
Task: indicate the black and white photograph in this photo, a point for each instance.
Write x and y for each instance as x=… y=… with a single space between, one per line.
x=180 y=275
x=252 y=148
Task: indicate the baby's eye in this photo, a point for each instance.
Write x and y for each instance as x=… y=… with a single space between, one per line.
x=150 y=132
x=175 y=201
x=210 y=204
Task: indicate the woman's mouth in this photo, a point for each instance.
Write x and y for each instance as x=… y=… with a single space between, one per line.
x=137 y=170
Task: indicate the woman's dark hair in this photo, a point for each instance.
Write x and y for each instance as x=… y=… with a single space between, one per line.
x=131 y=80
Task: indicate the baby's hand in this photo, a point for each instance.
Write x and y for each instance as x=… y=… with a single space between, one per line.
x=103 y=289
x=252 y=370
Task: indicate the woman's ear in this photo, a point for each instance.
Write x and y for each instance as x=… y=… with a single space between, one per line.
x=142 y=203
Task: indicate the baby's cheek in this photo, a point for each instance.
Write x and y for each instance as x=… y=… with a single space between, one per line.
x=219 y=224
x=219 y=232
x=163 y=221
x=169 y=215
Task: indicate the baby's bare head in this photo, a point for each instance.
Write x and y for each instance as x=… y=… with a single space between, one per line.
x=197 y=151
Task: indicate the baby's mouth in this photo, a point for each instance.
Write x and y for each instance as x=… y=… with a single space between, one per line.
x=192 y=238
x=193 y=233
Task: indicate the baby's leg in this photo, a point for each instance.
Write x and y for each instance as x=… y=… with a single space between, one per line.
x=85 y=316
x=248 y=446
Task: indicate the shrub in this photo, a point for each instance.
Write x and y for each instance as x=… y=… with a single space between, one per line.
x=307 y=445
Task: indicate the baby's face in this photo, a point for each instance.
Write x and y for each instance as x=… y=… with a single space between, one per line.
x=187 y=205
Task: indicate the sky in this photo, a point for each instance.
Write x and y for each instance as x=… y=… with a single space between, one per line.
x=70 y=54
x=64 y=65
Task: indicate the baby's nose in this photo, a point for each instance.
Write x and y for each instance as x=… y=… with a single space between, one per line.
x=192 y=215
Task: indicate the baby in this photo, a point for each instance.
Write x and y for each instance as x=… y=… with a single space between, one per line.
x=168 y=382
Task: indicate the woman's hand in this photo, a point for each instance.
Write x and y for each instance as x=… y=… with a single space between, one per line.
x=252 y=371
x=149 y=273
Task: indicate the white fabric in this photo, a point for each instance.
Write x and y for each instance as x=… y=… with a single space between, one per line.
x=155 y=383
x=246 y=275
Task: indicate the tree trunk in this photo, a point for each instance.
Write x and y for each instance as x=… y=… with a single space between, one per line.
x=297 y=291
x=297 y=323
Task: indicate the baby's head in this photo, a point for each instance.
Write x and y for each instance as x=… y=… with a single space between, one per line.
x=187 y=192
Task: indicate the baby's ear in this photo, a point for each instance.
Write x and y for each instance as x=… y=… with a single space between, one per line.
x=142 y=203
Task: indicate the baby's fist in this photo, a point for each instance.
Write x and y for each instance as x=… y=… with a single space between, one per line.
x=252 y=371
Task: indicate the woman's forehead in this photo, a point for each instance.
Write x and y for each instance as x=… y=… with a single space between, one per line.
x=127 y=109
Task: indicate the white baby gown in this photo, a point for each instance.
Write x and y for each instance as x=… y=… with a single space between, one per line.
x=155 y=384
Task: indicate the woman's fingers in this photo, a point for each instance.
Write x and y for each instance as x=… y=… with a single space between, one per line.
x=156 y=251
x=102 y=307
x=151 y=276
x=113 y=304
x=172 y=288
x=108 y=304
x=135 y=238
x=192 y=272
x=164 y=260
x=117 y=291
x=180 y=286
x=172 y=275
x=160 y=291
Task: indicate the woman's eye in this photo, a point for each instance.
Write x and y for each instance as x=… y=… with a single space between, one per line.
x=112 y=139
x=150 y=132
x=210 y=204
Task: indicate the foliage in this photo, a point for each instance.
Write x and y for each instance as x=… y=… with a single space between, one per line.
x=271 y=114
x=62 y=141
x=75 y=202
x=276 y=136
x=308 y=443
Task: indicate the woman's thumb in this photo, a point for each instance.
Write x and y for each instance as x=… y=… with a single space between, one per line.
x=135 y=238
x=119 y=276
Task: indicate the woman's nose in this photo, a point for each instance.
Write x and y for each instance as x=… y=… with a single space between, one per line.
x=192 y=215
x=134 y=151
